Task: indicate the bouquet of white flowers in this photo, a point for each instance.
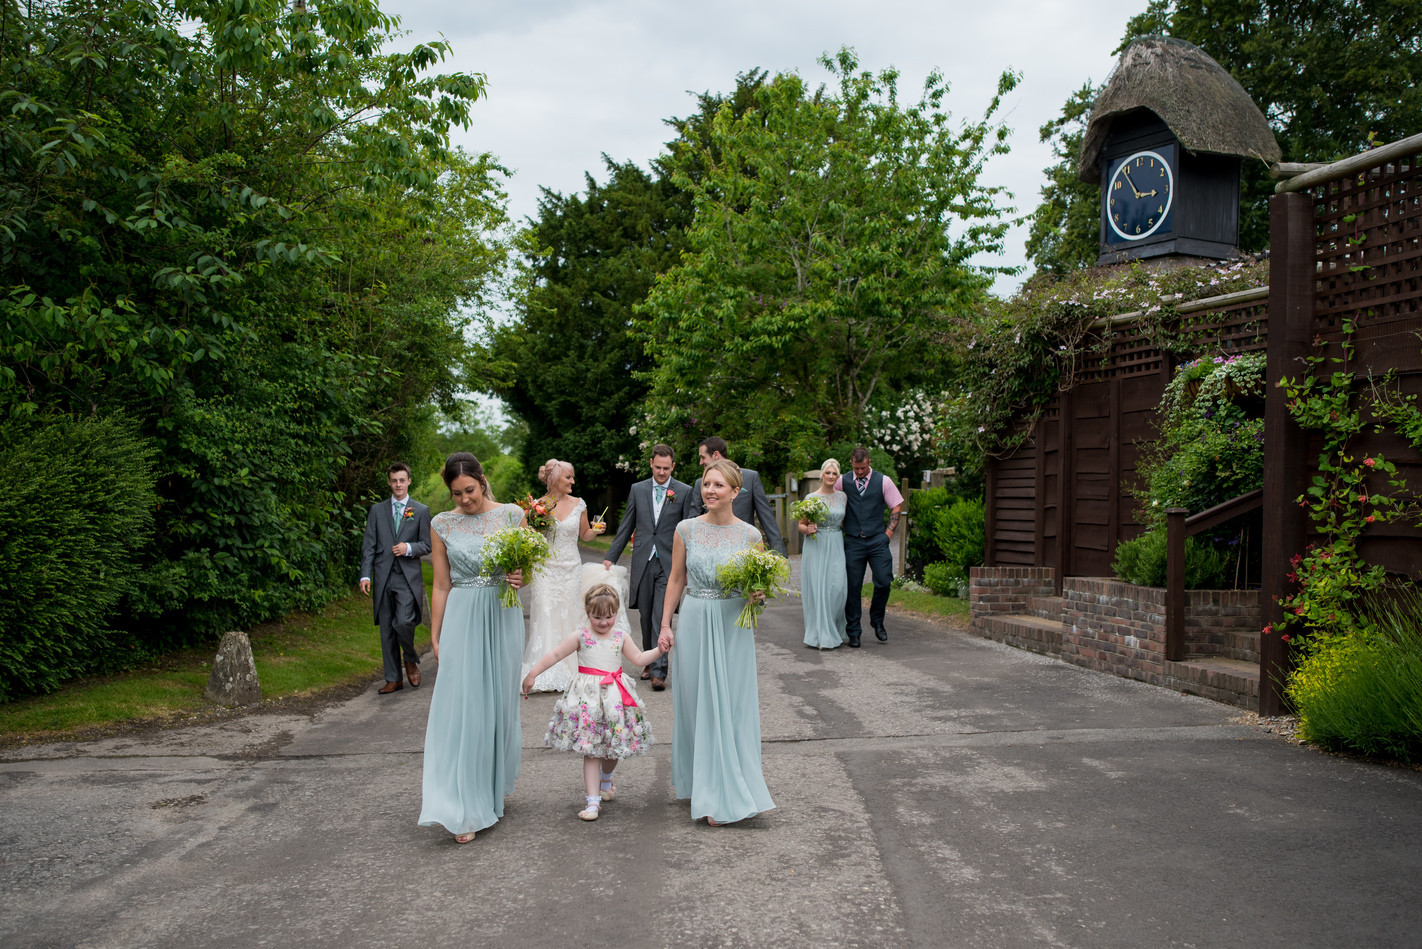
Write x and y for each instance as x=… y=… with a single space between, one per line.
x=515 y=548
x=751 y=571
x=810 y=509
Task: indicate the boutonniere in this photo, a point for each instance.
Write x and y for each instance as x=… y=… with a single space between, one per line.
x=671 y=494
x=409 y=511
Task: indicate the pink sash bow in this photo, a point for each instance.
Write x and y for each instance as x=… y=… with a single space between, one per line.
x=610 y=678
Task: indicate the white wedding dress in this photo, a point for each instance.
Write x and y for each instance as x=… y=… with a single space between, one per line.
x=557 y=591
x=556 y=604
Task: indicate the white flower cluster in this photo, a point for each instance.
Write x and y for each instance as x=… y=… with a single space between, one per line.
x=908 y=430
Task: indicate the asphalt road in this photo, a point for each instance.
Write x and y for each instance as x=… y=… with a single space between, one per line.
x=937 y=790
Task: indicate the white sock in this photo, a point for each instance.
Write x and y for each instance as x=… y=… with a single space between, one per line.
x=606 y=778
x=594 y=800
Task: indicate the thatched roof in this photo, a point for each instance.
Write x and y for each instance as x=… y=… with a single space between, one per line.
x=1201 y=103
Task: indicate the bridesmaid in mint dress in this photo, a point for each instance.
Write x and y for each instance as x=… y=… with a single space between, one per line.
x=715 y=702
x=472 y=741
x=823 y=582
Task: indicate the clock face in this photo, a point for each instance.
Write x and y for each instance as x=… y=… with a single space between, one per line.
x=1139 y=195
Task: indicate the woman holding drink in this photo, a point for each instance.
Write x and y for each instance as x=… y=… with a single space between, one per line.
x=556 y=608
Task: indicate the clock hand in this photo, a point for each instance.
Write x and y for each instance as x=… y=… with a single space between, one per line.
x=1127 y=175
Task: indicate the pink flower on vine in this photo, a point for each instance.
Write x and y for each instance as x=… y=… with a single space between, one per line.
x=1369 y=518
x=1268 y=629
x=1362 y=499
x=1369 y=462
x=1298 y=611
x=1286 y=637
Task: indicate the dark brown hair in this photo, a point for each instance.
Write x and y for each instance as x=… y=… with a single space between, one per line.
x=398 y=466
x=859 y=454
x=715 y=444
x=460 y=464
x=663 y=451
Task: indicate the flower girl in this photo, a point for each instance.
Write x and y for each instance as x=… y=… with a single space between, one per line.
x=600 y=714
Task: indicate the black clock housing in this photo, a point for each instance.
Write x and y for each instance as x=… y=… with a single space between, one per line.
x=1202 y=217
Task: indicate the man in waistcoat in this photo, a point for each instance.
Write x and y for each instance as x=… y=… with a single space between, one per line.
x=654 y=508
x=866 y=541
x=750 y=504
x=397 y=535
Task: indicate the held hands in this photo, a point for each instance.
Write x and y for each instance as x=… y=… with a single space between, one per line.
x=514 y=578
x=666 y=640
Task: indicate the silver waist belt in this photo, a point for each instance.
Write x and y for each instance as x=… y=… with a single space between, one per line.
x=477 y=582
x=828 y=530
x=712 y=595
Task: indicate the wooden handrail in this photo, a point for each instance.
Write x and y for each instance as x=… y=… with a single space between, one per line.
x=1178 y=527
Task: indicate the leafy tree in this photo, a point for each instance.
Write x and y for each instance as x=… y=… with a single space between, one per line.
x=1062 y=234
x=1331 y=76
x=831 y=241
x=242 y=225
x=571 y=371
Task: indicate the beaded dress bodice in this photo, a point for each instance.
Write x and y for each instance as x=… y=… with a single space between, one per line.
x=708 y=548
x=464 y=536
x=834 y=503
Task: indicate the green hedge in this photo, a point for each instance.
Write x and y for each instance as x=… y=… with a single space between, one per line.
x=1142 y=561
x=77 y=504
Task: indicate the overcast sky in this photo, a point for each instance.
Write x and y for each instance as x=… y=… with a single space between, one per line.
x=571 y=79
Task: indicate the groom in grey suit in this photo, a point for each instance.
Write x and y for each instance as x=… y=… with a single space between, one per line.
x=654 y=507
x=397 y=535
x=749 y=504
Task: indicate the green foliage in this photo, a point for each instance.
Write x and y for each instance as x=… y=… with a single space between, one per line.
x=242 y=225
x=924 y=508
x=78 y=502
x=1348 y=494
x=942 y=579
x=1064 y=231
x=961 y=532
x=1362 y=692
x=1332 y=77
x=1142 y=561
x=1017 y=353
x=1211 y=447
x=831 y=243
x=568 y=367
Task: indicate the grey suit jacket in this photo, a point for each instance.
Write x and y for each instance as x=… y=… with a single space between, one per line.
x=381 y=535
x=748 y=505
x=638 y=517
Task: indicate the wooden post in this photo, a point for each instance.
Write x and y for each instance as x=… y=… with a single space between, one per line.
x=1066 y=497
x=901 y=534
x=1291 y=305
x=989 y=510
x=788 y=528
x=1175 y=584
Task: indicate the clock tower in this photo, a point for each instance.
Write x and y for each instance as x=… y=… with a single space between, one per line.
x=1165 y=142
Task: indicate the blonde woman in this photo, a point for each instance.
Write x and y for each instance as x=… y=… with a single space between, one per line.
x=823 y=583
x=556 y=590
x=715 y=703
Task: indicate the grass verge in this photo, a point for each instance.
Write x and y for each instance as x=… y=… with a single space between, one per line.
x=926 y=604
x=302 y=655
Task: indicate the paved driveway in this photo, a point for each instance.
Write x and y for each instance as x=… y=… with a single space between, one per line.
x=938 y=790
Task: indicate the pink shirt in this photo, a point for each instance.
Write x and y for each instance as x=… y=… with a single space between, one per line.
x=892 y=497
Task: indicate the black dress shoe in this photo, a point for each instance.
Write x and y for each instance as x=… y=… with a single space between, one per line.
x=853 y=642
x=881 y=634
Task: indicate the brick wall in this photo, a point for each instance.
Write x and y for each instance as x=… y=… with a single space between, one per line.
x=1114 y=627
x=1004 y=590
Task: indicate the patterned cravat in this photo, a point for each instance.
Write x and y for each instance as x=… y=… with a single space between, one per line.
x=661 y=491
x=861 y=483
x=399 y=511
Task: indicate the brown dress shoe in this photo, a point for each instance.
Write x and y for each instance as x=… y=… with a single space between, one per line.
x=412 y=672
x=390 y=687
x=658 y=683
x=646 y=672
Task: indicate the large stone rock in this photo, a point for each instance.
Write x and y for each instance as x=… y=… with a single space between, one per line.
x=234 y=673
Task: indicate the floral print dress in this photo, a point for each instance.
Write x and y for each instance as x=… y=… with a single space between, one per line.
x=600 y=714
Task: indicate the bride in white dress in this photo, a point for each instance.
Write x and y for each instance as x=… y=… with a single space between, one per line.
x=556 y=607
